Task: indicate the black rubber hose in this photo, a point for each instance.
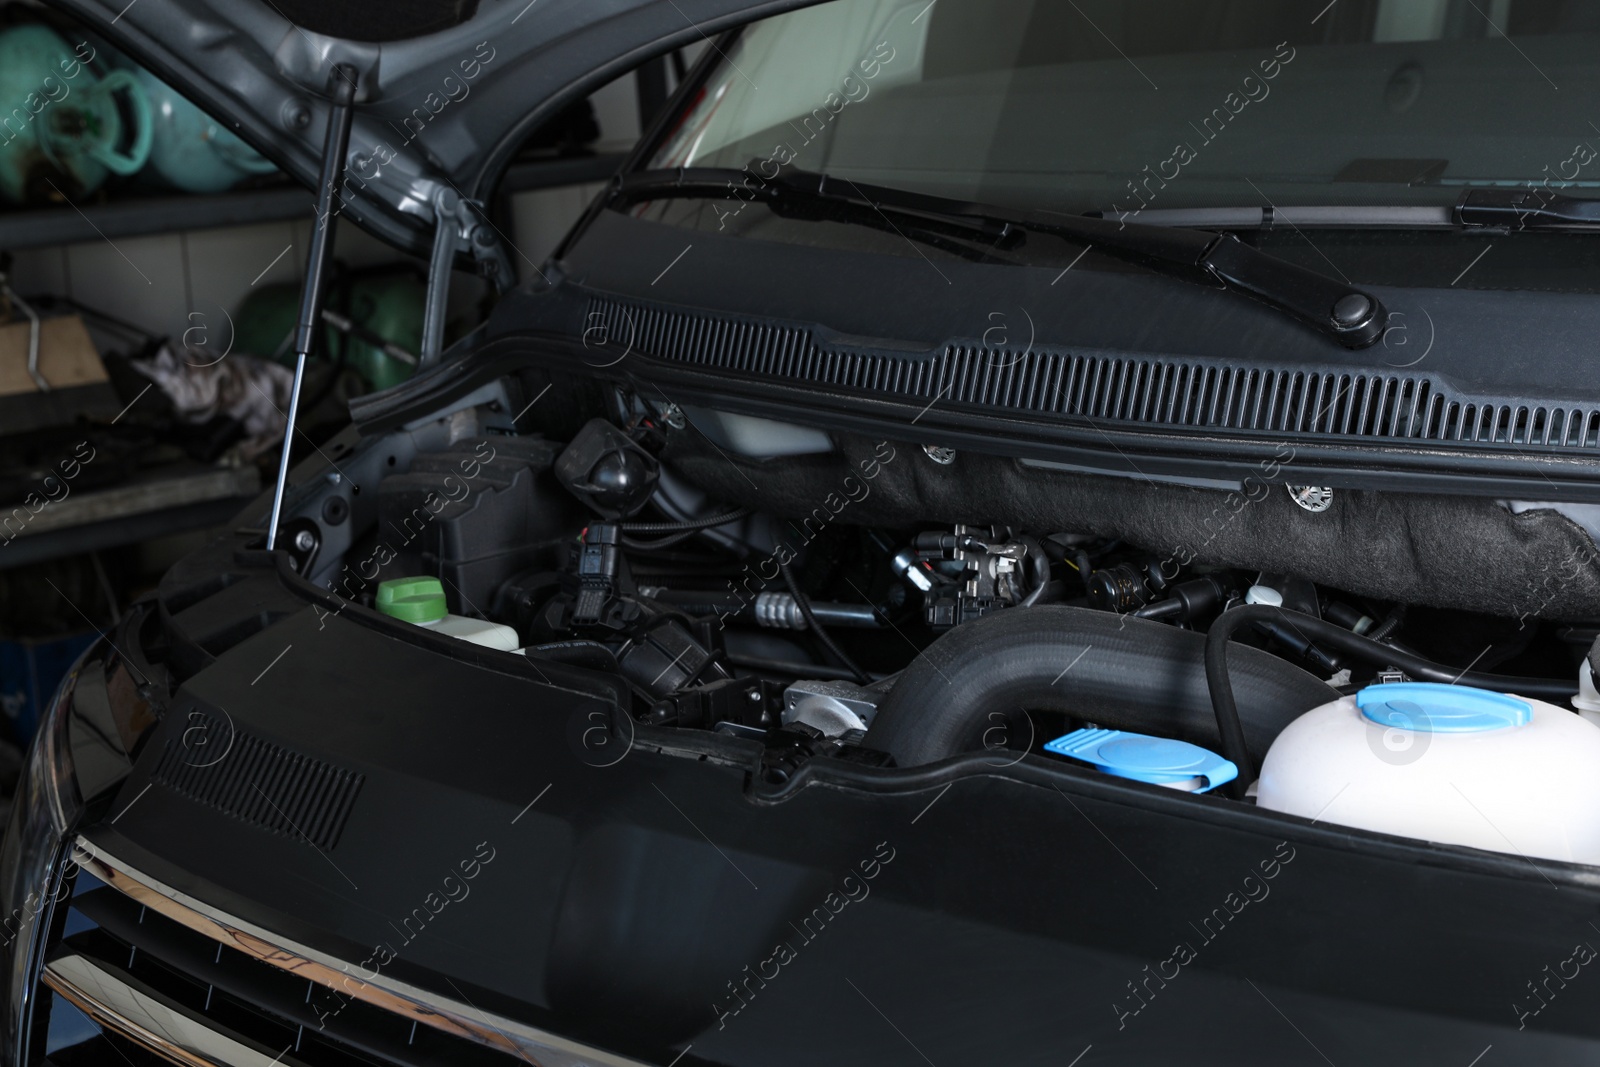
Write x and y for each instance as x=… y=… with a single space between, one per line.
x=1384 y=655
x=1219 y=675
x=1347 y=616
x=577 y=653
x=1350 y=618
x=1041 y=568
x=804 y=603
x=1094 y=666
x=691 y=526
x=658 y=544
x=1085 y=571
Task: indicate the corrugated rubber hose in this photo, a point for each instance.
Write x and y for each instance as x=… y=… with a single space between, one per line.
x=1095 y=666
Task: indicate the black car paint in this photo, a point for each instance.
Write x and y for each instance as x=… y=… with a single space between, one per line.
x=643 y=902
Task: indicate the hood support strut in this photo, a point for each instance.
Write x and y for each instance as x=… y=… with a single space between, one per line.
x=342 y=90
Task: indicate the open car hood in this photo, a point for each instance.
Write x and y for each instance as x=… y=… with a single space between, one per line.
x=446 y=103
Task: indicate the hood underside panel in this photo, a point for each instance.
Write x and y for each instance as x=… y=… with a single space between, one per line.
x=447 y=109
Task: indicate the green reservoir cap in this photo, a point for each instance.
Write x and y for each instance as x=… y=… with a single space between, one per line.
x=412 y=599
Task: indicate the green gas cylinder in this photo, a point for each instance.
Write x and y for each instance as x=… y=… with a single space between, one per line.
x=191 y=150
x=62 y=131
x=388 y=304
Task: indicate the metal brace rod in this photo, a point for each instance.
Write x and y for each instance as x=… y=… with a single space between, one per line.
x=342 y=91
x=33 y=332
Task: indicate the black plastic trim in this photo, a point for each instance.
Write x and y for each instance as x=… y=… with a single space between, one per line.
x=1188 y=457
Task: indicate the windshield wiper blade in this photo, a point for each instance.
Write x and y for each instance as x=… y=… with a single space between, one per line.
x=1338 y=310
x=1526 y=209
x=1503 y=208
x=1302 y=217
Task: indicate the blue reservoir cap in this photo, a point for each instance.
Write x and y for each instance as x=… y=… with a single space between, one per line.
x=1433 y=708
x=1159 y=760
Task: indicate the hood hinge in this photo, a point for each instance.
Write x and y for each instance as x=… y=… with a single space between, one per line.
x=459 y=224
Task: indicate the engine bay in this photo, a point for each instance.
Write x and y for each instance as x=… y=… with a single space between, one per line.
x=841 y=629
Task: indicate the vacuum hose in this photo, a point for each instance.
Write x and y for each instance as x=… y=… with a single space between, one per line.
x=676 y=532
x=804 y=604
x=1095 y=666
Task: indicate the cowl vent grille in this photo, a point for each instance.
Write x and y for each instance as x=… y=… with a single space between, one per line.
x=259 y=782
x=1106 y=387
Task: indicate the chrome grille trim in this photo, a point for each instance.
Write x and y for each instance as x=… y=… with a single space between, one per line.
x=459 y=1019
x=145 y=1020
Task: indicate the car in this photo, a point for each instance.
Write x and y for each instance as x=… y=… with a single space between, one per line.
x=1009 y=532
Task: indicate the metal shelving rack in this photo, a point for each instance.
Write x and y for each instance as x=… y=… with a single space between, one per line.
x=135 y=217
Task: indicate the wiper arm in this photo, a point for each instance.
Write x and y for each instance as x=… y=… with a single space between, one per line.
x=817 y=198
x=1350 y=316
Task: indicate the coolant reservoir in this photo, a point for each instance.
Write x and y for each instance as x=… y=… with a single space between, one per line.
x=1444 y=763
x=421 y=601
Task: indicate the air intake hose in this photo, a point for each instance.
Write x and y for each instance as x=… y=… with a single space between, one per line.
x=1111 y=670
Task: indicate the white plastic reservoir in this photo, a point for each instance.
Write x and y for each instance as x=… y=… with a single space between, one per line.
x=1444 y=763
x=421 y=601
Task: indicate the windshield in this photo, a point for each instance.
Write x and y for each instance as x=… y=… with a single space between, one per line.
x=1136 y=107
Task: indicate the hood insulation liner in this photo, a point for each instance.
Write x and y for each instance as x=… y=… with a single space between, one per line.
x=395 y=20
